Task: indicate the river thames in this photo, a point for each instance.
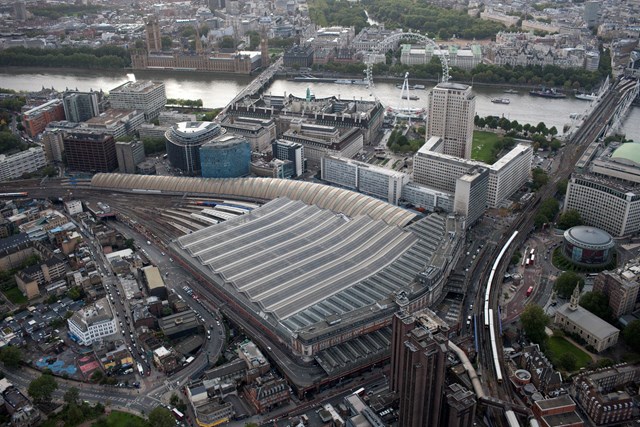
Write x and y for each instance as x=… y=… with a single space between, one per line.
x=217 y=90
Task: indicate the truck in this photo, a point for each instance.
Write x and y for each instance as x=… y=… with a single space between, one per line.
x=530 y=290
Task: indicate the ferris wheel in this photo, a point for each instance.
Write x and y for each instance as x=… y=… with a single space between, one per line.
x=391 y=41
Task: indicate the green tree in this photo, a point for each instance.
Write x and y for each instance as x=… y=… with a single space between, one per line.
x=598 y=303
x=130 y=244
x=534 y=321
x=42 y=388
x=72 y=395
x=10 y=356
x=569 y=219
x=566 y=283
x=540 y=178
x=631 y=335
x=561 y=187
x=161 y=417
x=166 y=42
x=568 y=361
x=227 y=42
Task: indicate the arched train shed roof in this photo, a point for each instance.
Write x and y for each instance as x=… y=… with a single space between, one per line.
x=336 y=199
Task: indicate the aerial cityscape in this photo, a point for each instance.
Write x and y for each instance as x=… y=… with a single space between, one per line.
x=357 y=213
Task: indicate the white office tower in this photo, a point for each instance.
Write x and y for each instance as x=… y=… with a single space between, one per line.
x=452 y=107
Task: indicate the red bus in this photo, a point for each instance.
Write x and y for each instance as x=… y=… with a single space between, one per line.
x=529 y=290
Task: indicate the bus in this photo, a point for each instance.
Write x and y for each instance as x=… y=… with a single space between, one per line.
x=179 y=415
x=530 y=290
x=140 y=369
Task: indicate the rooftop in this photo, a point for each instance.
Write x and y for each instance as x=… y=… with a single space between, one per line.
x=629 y=151
x=589 y=236
x=588 y=321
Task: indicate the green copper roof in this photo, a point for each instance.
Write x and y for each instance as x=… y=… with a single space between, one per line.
x=629 y=151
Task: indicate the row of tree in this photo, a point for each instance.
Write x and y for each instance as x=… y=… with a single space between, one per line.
x=83 y=57
x=59 y=10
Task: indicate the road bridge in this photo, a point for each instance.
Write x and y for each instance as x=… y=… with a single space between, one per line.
x=256 y=86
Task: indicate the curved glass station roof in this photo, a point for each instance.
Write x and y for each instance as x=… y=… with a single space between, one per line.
x=335 y=199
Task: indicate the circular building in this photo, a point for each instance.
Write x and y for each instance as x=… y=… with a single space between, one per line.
x=228 y=156
x=184 y=140
x=588 y=246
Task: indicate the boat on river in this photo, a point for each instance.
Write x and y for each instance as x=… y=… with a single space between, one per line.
x=547 y=92
x=586 y=96
x=501 y=100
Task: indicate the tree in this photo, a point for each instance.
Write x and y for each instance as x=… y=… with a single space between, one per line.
x=227 y=42
x=72 y=395
x=568 y=361
x=569 y=219
x=130 y=244
x=566 y=283
x=11 y=356
x=166 y=42
x=598 y=303
x=161 y=417
x=631 y=335
x=534 y=321
x=42 y=388
x=540 y=178
x=561 y=187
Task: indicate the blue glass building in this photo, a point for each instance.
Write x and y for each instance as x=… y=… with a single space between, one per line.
x=228 y=156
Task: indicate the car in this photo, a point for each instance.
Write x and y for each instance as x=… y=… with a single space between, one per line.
x=209 y=336
x=170 y=259
x=470 y=307
x=162 y=253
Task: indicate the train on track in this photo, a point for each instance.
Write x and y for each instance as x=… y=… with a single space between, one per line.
x=20 y=194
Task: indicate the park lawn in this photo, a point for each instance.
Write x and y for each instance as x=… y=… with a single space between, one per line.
x=117 y=419
x=558 y=345
x=482 y=146
x=15 y=296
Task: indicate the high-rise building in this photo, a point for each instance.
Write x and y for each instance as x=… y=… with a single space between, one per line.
x=227 y=156
x=292 y=151
x=129 y=154
x=81 y=106
x=460 y=408
x=184 y=141
x=418 y=364
x=452 y=107
x=152 y=33
x=592 y=13
x=143 y=95
x=89 y=151
x=20 y=11
x=471 y=194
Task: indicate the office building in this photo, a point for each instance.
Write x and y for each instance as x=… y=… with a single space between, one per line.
x=52 y=139
x=622 y=286
x=508 y=174
x=226 y=156
x=129 y=154
x=418 y=364
x=260 y=132
x=574 y=319
x=89 y=151
x=607 y=176
x=152 y=34
x=427 y=198
x=299 y=57
x=452 y=107
x=20 y=11
x=115 y=122
x=81 y=106
x=37 y=118
x=91 y=324
x=471 y=194
x=592 y=13
x=146 y=96
x=23 y=162
x=382 y=183
x=291 y=151
x=184 y=140
x=321 y=140
x=556 y=412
